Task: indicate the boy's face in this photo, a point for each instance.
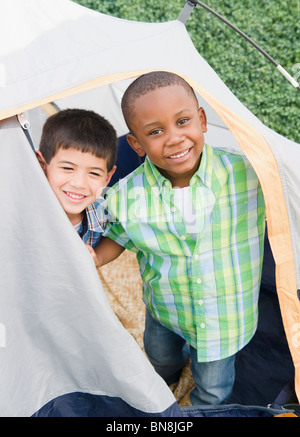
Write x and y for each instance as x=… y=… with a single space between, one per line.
x=168 y=127
x=77 y=179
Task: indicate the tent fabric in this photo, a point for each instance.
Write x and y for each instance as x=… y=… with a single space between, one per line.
x=77 y=57
x=61 y=335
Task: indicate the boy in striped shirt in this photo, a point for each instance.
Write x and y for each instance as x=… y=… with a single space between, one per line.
x=195 y=217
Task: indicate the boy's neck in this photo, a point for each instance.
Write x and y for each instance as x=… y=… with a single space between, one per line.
x=180 y=180
x=75 y=219
x=182 y=184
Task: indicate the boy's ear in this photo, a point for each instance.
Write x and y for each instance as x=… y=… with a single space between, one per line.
x=107 y=181
x=41 y=160
x=202 y=117
x=135 y=145
x=110 y=175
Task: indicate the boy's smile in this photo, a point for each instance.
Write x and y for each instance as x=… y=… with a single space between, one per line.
x=77 y=179
x=168 y=126
x=180 y=155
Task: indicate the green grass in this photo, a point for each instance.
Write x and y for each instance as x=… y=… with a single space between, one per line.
x=272 y=24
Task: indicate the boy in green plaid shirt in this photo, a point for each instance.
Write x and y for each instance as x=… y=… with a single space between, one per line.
x=195 y=217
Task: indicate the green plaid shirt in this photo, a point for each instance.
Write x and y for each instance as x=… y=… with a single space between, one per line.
x=205 y=290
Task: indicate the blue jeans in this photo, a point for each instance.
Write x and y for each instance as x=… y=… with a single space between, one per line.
x=168 y=353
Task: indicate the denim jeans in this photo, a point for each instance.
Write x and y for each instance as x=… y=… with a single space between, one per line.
x=168 y=353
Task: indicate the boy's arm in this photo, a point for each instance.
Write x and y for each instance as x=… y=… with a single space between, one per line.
x=106 y=251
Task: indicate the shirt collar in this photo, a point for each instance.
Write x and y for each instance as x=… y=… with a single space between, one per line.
x=154 y=177
x=95 y=216
x=204 y=172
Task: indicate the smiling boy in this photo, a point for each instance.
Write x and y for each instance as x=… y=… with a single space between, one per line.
x=177 y=160
x=77 y=153
x=195 y=216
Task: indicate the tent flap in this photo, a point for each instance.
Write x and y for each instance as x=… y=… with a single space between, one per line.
x=52 y=304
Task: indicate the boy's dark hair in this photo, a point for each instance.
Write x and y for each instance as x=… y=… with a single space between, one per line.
x=82 y=130
x=149 y=82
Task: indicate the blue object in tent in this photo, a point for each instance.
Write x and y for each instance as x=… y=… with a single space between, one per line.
x=127 y=160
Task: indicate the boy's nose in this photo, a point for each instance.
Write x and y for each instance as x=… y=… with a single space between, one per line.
x=78 y=180
x=174 y=137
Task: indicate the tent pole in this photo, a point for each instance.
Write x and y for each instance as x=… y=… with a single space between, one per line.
x=190 y=5
x=186 y=11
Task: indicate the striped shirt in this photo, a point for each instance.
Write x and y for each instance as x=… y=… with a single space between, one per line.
x=206 y=288
x=93 y=223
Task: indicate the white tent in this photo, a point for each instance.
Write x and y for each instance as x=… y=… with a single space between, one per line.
x=61 y=52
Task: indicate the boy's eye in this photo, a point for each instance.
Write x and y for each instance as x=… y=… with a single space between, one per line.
x=92 y=173
x=67 y=168
x=155 y=132
x=183 y=121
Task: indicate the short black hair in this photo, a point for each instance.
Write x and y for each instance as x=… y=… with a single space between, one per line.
x=146 y=83
x=82 y=130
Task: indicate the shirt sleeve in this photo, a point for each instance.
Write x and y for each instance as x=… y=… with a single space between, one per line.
x=116 y=232
x=114 y=227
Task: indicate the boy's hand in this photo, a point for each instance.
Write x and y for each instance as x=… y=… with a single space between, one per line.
x=92 y=252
